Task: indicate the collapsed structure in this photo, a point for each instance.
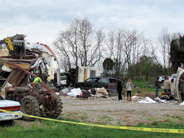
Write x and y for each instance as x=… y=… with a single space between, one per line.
x=20 y=63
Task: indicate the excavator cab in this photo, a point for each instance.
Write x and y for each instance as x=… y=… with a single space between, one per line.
x=16 y=48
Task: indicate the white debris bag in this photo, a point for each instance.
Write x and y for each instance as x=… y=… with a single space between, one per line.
x=103 y=91
x=147 y=100
x=159 y=100
x=74 y=92
x=181 y=103
x=136 y=97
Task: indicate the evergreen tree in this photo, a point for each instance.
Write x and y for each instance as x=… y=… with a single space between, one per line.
x=146 y=67
x=108 y=66
x=177 y=52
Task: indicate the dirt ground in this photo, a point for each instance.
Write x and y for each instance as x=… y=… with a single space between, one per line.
x=112 y=111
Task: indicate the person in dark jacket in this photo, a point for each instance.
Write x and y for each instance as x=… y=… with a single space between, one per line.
x=119 y=88
x=157 y=86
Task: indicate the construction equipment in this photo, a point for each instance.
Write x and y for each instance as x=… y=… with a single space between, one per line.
x=18 y=69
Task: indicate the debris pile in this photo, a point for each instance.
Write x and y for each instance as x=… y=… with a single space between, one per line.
x=25 y=70
x=22 y=61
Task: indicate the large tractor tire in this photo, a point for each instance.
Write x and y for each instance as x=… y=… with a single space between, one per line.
x=30 y=106
x=54 y=110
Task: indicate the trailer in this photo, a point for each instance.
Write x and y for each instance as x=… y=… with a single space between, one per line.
x=86 y=72
x=81 y=73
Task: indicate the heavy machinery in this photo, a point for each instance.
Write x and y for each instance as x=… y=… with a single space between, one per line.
x=44 y=103
x=19 y=67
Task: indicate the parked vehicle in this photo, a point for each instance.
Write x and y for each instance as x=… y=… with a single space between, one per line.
x=9 y=105
x=173 y=76
x=98 y=82
x=63 y=80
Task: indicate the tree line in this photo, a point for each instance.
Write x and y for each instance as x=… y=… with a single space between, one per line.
x=121 y=52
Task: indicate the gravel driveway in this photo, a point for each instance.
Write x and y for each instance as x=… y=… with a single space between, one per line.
x=112 y=111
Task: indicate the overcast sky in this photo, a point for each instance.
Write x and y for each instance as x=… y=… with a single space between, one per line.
x=42 y=20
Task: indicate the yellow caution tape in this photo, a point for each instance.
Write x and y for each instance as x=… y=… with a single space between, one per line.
x=162 y=130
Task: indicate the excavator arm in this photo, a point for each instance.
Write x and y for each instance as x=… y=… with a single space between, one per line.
x=8 y=43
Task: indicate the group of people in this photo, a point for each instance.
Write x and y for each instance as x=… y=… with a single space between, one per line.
x=129 y=86
x=168 y=86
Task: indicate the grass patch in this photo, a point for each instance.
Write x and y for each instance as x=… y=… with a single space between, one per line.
x=169 y=120
x=106 y=118
x=150 y=119
x=84 y=117
x=155 y=123
x=93 y=110
x=57 y=130
x=142 y=87
x=178 y=117
x=69 y=115
x=129 y=111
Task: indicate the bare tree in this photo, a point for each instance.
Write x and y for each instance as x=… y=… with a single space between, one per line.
x=120 y=44
x=164 y=39
x=153 y=54
x=96 y=50
x=111 y=44
x=85 y=32
x=66 y=60
x=129 y=45
x=126 y=47
x=79 y=44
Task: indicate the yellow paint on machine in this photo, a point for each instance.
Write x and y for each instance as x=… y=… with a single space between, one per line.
x=9 y=45
x=24 y=66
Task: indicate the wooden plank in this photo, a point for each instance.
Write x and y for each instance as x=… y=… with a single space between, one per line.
x=24 y=66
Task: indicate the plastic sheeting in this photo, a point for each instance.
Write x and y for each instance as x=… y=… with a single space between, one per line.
x=51 y=70
x=181 y=103
x=74 y=92
x=159 y=100
x=147 y=100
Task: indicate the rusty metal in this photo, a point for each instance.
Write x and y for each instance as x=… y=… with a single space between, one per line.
x=21 y=75
x=27 y=72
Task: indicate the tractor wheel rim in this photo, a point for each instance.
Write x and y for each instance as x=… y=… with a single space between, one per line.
x=28 y=108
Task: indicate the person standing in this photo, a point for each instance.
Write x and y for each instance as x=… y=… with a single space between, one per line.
x=172 y=86
x=129 y=87
x=157 y=86
x=166 y=85
x=119 y=88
